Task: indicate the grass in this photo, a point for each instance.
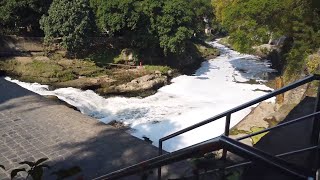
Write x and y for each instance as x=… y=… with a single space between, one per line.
x=224 y=41
x=153 y=68
x=50 y=71
x=103 y=57
x=254 y=129
x=235 y=131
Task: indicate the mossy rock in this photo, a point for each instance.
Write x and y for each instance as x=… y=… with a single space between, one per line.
x=257 y=138
x=126 y=55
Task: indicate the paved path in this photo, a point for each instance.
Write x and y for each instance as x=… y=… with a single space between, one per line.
x=32 y=127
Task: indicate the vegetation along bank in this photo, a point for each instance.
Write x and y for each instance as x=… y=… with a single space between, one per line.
x=112 y=47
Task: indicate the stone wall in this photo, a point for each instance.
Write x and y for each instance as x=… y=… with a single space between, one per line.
x=13 y=45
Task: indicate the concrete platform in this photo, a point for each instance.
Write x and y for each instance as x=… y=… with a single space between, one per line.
x=33 y=127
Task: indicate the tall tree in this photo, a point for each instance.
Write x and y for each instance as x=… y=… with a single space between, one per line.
x=174 y=25
x=148 y=23
x=22 y=16
x=203 y=14
x=253 y=22
x=72 y=21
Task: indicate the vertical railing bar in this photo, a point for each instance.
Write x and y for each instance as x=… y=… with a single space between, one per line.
x=226 y=133
x=224 y=151
x=160 y=153
x=316 y=132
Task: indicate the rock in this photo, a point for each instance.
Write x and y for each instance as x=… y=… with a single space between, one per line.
x=170 y=73
x=86 y=83
x=313 y=63
x=296 y=95
x=264 y=50
x=147 y=139
x=278 y=42
x=56 y=99
x=158 y=73
x=147 y=82
x=41 y=58
x=279 y=84
x=127 y=55
x=271 y=120
x=255 y=118
x=118 y=124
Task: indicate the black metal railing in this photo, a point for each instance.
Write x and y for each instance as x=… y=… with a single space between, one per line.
x=230 y=145
x=228 y=113
x=227 y=144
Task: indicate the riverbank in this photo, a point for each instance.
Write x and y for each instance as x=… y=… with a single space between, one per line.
x=218 y=85
x=107 y=79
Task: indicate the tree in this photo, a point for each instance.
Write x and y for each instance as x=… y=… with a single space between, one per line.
x=22 y=16
x=203 y=14
x=254 y=22
x=174 y=26
x=71 y=21
x=147 y=23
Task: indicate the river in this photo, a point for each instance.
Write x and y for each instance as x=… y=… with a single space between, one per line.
x=218 y=85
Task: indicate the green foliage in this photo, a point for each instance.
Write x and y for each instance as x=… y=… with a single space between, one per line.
x=36 y=169
x=254 y=22
x=22 y=16
x=71 y=21
x=257 y=138
x=104 y=56
x=207 y=51
x=153 y=68
x=118 y=16
x=203 y=15
x=313 y=63
x=148 y=24
x=174 y=26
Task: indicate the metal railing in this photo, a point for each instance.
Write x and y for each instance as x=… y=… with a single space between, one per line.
x=228 y=113
x=231 y=145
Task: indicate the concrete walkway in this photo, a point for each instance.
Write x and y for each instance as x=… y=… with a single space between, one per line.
x=32 y=127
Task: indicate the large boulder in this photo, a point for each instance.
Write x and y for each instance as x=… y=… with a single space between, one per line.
x=265 y=49
x=278 y=42
x=127 y=56
x=147 y=82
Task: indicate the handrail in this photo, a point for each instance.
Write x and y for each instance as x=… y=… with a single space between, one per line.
x=279 y=126
x=200 y=148
x=245 y=105
x=224 y=142
x=241 y=164
x=259 y=156
x=228 y=113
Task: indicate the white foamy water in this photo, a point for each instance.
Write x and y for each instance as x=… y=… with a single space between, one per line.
x=213 y=89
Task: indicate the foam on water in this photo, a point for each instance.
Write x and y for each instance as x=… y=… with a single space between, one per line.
x=213 y=89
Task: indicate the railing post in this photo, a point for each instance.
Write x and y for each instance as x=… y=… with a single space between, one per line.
x=160 y=153
x=226 y=133
x=316 y=132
